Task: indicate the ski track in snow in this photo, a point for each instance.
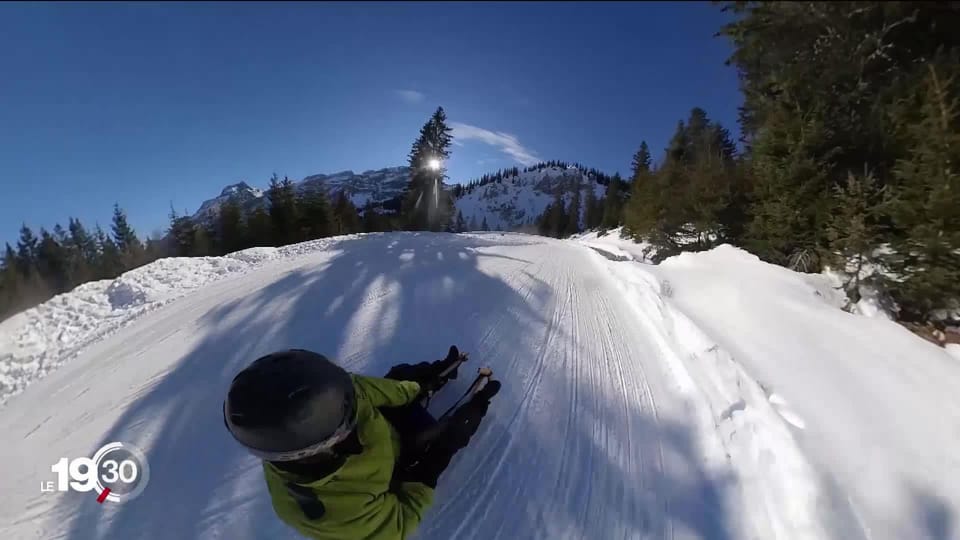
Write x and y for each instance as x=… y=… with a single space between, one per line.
x=619 y=417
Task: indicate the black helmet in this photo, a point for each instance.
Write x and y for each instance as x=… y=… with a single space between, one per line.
x=290 y=405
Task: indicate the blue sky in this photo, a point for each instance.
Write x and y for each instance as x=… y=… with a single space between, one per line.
x=147 y=104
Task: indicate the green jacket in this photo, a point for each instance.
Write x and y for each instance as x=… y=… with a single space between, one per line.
x=356 y=501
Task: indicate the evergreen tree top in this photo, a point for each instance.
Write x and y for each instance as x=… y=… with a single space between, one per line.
x=641 y=160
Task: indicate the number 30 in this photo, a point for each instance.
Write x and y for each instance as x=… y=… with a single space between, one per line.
x=126 y=471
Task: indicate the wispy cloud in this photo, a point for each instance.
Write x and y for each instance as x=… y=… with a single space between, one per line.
x=505 y=142
x=410 y=96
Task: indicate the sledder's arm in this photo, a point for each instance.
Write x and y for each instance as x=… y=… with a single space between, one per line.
x=322 y=513
x=387 y=392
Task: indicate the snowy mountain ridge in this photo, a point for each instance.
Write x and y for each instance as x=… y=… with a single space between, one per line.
x=509 y=202
x=372 y=186
x=516 y=200
x=247 y=197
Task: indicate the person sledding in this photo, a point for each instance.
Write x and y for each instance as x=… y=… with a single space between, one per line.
x=347 y=455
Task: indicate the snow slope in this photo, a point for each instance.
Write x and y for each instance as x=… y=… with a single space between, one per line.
x=712 y=396
x=41 y=339
x=361 y=188
x=248 y=198
x=878 y=405
x=368 y=186
x=516 y=201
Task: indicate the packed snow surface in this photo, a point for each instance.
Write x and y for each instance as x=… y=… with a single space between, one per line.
x=712 y=396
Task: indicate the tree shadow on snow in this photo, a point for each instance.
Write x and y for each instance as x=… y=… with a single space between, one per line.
x=926 y=514
x=539 y=477
x=934 y=517
x=199 y=474
x=374 y=304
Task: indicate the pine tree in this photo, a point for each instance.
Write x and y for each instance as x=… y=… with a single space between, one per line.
x=693 y=200
x=573 y=213
x=68 y=256
x=426 y=206
x=642 y=213
x=156 y=247
x=33 y=289
x=111 y=264
x=557 y=217
x=790 y=196
x=11 y=284
x=473 y=223
x=708 y=192
x=260 y=228
x=202 y=245
x=593 y=211
x=52 y=262
x=315 y=215
x=484 y=226
x=679 y=144
x=182 y=234
x=124 y=237
x=27 y=251
x=695 y=132
x=735 y=215
x=346 y=220
x=374 y=221
x=821 y=82
x=613 y=203
x=926 y=201
x=283 y=212
x=231 y=230
x=543 y=221
x=641 y=160
x=854 y=232
x=84 y=257
x=460 y=225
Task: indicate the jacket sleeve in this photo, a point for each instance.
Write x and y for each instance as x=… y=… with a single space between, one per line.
x=393 y=515
x=387 y=392
x=398 y=514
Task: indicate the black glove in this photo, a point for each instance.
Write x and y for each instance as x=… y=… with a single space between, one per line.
x=428 y=468
x=463 y=423
x=456 y=432
x=435 y=381
x=453 y=356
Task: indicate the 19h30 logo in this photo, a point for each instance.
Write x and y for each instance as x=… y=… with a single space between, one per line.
x=118 y=472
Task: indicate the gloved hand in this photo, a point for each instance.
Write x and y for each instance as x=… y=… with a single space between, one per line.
x=428 y=468
x=436 y=381
x=456 y=432
x=464 y=422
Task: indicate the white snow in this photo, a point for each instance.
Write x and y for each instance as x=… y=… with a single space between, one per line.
x=518 y=200
x=614 y=244
x=878 y=404
x=41 y=339
x=712 y=396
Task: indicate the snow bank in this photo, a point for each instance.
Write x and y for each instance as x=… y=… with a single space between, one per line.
x=614 y=243
x=874 y=406
x=740 y=425
x=41 y=339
